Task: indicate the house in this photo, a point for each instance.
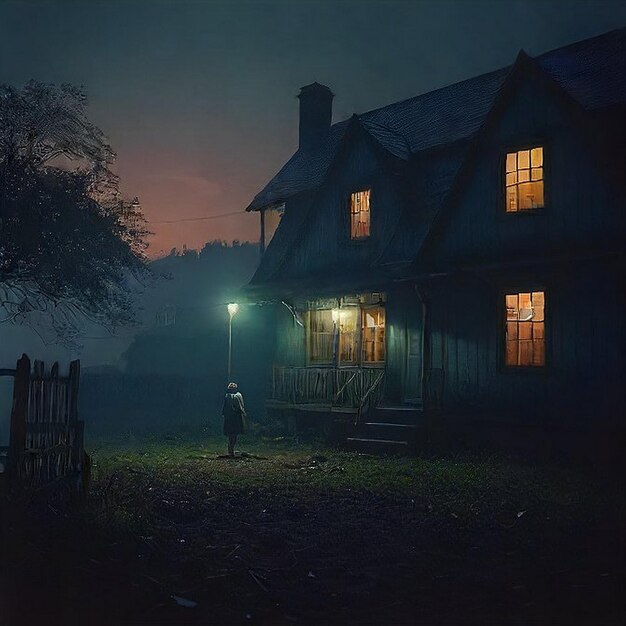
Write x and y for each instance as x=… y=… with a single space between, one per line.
x=457 y=257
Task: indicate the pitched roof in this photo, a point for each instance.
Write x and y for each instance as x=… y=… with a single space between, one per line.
x=431 y=180
x=592 y=71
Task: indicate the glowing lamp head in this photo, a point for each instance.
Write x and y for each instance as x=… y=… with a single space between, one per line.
x=233 y=307
x=335 y=315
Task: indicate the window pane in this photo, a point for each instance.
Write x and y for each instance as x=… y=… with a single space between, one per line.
x=511 y=162
x=348 y=335
x=531 y=195
x=321 y=332
x=525 y=353
x=511 y=198
x=523 y=159
x=511 y=179
x=512 y=311
x=539 y=352
x=511 y=353
x=536 y=157
x=525 y=329
x=360 y=214
x=373 y=334
x=524 y=176
x=538 y=306
x=537 y=173
x=537 y=194
x=511 y=331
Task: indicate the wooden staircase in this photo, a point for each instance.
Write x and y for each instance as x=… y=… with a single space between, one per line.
x=390 y=430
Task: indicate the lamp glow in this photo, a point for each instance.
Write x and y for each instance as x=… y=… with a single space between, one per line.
x=233 y=307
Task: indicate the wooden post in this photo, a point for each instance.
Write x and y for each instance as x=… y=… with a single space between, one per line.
x=74 y=384
x=75 y=426
x=17 y=440
x=77 y=447
x=262 y=238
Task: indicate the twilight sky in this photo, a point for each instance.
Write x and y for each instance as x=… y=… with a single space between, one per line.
x=198 y=98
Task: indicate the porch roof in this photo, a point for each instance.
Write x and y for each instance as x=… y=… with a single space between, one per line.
x=318 y=286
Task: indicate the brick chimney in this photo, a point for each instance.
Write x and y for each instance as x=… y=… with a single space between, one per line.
x=316 y=111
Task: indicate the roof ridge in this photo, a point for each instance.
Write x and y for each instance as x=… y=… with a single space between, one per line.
x=587 y=40
x=492 y=72
x=432 y=91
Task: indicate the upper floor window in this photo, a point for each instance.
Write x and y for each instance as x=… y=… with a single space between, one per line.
x=524 y=180
x=360 y=214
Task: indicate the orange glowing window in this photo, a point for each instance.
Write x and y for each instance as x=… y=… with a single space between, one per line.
x=525 y=329
x=524 y=180
x=360 y=214
x=373 y=334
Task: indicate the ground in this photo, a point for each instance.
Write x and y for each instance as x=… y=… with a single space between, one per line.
x=286 y=533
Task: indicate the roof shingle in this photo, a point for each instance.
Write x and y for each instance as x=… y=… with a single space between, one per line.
x=592 y=71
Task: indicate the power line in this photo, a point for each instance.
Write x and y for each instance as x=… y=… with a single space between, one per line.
x=197 y=219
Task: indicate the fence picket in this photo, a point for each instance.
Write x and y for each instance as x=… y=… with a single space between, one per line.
x=46 y=440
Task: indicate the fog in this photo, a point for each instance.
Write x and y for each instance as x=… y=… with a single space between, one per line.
x=167 y=373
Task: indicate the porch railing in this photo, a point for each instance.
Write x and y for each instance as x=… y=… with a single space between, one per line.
x=371 y=397
x=332 y=387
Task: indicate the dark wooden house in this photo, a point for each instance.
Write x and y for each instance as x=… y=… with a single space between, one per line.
x=456 y=257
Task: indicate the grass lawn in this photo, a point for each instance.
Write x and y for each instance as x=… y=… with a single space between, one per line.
x=296 y=534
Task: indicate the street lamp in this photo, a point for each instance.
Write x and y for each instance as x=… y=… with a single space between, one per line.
x=233 y=307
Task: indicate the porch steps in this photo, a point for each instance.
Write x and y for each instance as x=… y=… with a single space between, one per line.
x=408 y=415
x=390 y=430
x=378 y=446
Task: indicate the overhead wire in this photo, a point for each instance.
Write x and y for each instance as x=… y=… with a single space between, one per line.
x=196 y=219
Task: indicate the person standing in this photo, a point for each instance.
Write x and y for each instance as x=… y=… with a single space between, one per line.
x=234 y=414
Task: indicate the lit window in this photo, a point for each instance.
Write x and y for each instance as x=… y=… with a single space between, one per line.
x=374 y=334
x=360 y=214
x=524 y=180
x=347 y=325
x=525 y=329
x=352 y=332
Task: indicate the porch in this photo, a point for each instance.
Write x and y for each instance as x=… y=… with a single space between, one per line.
x=327 y=389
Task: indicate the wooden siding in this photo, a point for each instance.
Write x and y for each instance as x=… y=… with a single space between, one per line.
x=324 y=243
x=580 y=384
x=290 y=340
x=581 y=212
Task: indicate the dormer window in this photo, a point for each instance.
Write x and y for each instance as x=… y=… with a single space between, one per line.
x=524 y=180
x=360 y=214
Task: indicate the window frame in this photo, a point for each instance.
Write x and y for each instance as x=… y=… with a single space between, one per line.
x=363 y=309
x=358 y=241
x=335 y=360
x=516 y=288
x=308 y=338
x=528 y=144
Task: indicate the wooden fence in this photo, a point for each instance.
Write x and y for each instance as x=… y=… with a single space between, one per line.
x=46 y=438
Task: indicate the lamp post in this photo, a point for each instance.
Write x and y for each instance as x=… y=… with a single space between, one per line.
x=233 y=307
